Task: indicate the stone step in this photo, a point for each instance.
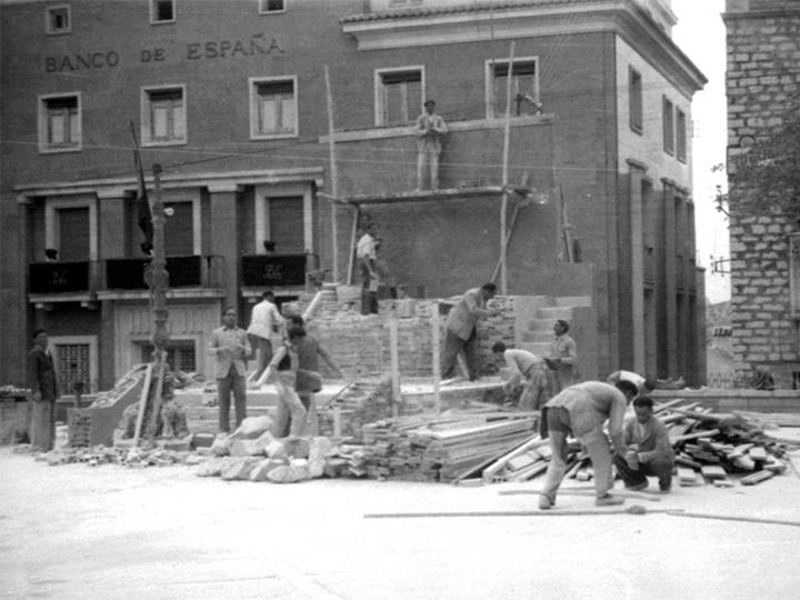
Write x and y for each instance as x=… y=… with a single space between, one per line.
x=570 y=301
x=554 y=312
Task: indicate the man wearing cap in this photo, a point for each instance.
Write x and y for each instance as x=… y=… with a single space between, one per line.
x=430 y=129
x=563 y=354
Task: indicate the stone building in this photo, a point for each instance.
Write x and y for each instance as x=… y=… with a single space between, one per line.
x=763 y=39
x=232 y=99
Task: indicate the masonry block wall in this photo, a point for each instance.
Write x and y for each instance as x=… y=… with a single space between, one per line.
x=361 y=345
x=763 y=74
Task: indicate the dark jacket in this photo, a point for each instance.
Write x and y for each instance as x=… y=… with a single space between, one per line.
x=42 y=374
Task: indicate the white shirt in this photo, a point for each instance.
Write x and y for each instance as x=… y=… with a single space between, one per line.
x=265 y=314
x=366 y=247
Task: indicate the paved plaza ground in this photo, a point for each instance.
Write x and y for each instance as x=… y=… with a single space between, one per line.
x=79 y=532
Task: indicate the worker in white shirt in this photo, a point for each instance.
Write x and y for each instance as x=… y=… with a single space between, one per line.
x=367 y=255
x=644 y=385
x=526 y=370
x=265 y=324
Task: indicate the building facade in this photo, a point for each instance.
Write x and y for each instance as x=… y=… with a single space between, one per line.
x=280 y=123
x=763 y=75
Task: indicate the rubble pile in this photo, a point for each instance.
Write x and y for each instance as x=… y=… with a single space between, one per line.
x=122 y=456
x=253 y=453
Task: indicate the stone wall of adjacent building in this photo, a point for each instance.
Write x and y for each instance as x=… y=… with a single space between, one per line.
x=763 y=74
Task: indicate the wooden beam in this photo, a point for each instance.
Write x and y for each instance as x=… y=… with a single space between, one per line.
x=148 y=374
x=333 y=175
x=506 y=144
x=521 y=513
x=395 y=356
x=437 y=367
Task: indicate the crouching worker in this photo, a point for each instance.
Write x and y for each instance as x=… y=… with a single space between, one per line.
x=527 y=370
x=649 y=451
x=282 y=372
x=581 y=410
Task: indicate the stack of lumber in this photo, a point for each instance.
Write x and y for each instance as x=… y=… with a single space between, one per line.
x=437 y=447
x=711 y=446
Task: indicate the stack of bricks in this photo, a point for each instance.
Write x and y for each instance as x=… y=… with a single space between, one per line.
x=763 y=76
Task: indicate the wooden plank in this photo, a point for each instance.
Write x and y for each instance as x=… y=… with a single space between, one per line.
x=156 y=410
x=491 y=470
x=148 y=374
x=397 y=397
x=437 y=367
x=712 y=472
x=694 y=515
x=694 y=436
x=631 y=510
x=687 y=477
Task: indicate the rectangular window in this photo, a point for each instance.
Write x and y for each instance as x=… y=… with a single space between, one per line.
x=57 y=20
x=680 y=135
x=179 y=229
x=524 y=88
x=273 y=108
x=181 y=355
x=669 y=127
x=162 y=11
x=73 y=366
x=286 y=224
x=59 y=123
x=398 y=96
x=271 y=6
x=635 y=100
x=74 y=231
x=163 y=116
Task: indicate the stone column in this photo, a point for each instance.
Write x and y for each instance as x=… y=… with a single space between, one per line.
x=668 y=363
x=225 y=236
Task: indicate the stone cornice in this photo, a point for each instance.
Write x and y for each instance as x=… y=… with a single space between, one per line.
x=105 y=188
x=621 y=17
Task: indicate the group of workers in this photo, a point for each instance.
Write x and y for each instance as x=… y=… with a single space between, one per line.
x=293 y=367
x=639 y=446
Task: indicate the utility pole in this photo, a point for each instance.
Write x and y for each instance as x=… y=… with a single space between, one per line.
x=158 y=281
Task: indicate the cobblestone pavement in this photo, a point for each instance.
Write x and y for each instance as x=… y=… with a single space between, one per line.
x=79 y=532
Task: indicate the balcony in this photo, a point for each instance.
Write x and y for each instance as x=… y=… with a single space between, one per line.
x=277 y=271
x=189 y=276
x=62 y=282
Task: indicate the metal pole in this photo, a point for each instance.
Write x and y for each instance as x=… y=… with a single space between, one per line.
x=504 y=206
x=334 y=176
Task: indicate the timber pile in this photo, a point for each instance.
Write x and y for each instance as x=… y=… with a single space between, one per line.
x=711 y=446
x=436 y=447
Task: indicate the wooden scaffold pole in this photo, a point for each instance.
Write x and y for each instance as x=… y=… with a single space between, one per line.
x=333 y=174
x=504 y=204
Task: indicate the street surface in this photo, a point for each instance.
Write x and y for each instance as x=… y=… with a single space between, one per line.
x=110 y=532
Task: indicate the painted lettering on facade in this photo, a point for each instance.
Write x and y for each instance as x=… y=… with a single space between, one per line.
x=81 y=62
x=256 y=44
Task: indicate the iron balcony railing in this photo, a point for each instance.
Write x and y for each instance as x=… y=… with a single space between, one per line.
x=184 y=272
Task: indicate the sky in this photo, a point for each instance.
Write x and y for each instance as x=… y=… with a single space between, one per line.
x=700 y=33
